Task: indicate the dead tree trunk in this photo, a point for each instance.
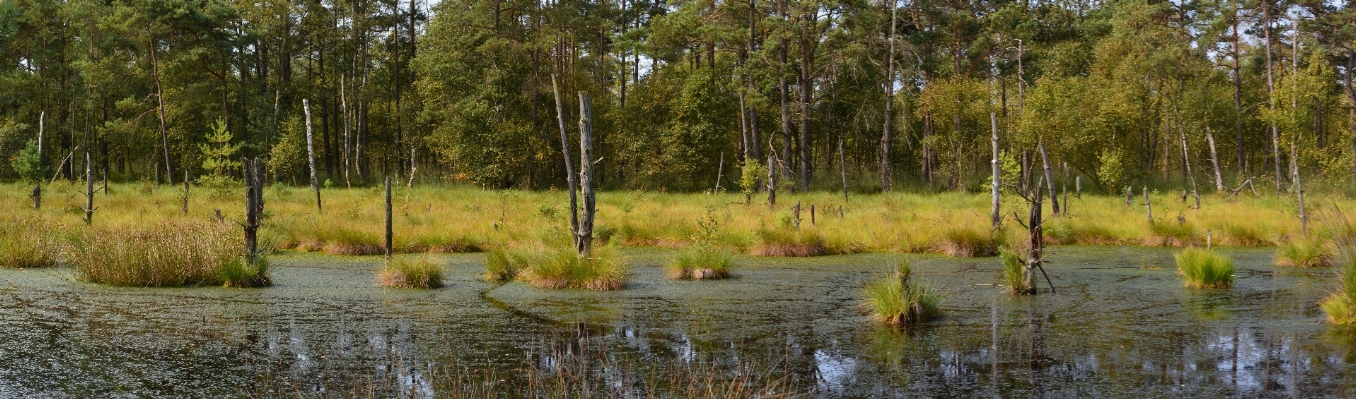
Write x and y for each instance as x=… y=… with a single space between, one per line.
x=37 y=183
x=994 y=215
x=310 y=155
x=842 y=171
x=413 y=169
x=389 y=234
x=89 y=189
x=569 y=165
x=719 y=174
x=1214 y=162
x=343 y=108
x=1299 y=189
x=254 y=207
x=1186 y=165
x=586 y=161
x=771 y=181
x=1148 y=209
x=1049 y=180
x=185 y=191
x=1036 y=241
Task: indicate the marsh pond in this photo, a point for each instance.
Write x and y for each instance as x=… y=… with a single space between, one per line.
x=1121 y=325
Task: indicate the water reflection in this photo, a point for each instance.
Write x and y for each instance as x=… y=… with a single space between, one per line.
x=1115 y=329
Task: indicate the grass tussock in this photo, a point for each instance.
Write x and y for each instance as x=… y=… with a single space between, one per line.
x=1013 y=272
x=969 y=243
x=1303 y=253
x=896 y=300
x=239 y=274
x=502 y=266
x=1340 y=306
x=1203 y=268
x=171 y=254
x=701 y=263
x=410 y=272
x=1242 y=235
x=561 y=267
x=29 y=242
x=789 y=242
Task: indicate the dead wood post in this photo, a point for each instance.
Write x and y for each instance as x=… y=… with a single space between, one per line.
x=104 y=171
x=1049 y=180
x=185 y=191
x=771 y=181
x=1214 y=161
x=720 y=172
x=842 y=171
x=586 y=174
x=1148 y=209
x=569 y=165
x=310 y=155
x=1129 y=196
x=1034 y=236
x=996 y=217
x=812 y=214
x=1299 y=189
x=389 y=234
x=795 y=214
x=89 y=190
x=37 y=183
x=1078 y=187
x=254 y=207
x=413 y=169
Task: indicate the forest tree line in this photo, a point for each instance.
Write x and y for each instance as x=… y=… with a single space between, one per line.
x=890 y=93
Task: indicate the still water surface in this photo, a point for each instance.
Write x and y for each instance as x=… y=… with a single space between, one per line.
x=1121 y=325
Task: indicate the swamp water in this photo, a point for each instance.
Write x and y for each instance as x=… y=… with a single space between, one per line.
x=1121 y=325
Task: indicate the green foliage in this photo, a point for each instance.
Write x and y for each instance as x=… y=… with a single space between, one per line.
x=1341 y=305
x=238 y=273
x=28 y=164
x=1202 y=268
x=219 y=153
x=750 y=173
x=1112 y=171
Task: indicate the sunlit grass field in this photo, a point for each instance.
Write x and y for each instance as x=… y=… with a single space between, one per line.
x=450 y=218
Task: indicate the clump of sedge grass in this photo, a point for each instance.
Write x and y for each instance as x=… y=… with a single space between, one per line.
x=503 y=266
x=410 y=272
x=1014 y=272
x=29 y=243
x=1341 y=305
x=701 y=263
x=239 y=274
x=1303 y=253
x=968 y=243
x=789 y=242
x=896 y=301
x=1203 y=268
x=561 y=267
x=170 y=254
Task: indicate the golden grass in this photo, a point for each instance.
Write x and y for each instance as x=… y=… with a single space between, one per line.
x=29 y=241
x=437 y=218
x=559 y=267
x=166 y=254
x=701 y=263
x=410 y=272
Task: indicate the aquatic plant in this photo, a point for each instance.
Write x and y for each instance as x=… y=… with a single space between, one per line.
x=700 y=263
x=561 y=267
x=169 y=254
x=1014 y=272
x=410 y=272
x=29 y=242
x=964 y=242
x=895 y=300
x=239 y=274
x=1303 y=252
x=786 y=241
x=1204 y=268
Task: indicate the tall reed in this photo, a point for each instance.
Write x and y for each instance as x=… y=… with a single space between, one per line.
x=167 y=254
x=27 y=242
